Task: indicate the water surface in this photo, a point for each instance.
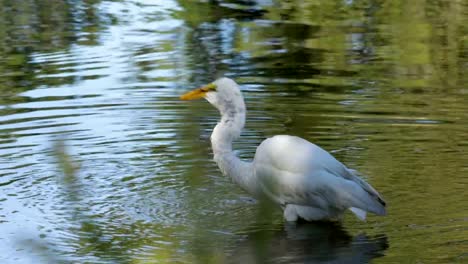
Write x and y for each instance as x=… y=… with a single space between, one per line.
x=100 y=162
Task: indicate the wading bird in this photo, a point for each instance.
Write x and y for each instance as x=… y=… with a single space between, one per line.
x=305 y=180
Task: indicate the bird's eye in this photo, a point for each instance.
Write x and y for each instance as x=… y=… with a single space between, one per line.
x=210 y=87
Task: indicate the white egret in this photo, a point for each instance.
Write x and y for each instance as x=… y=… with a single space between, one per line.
x=305 y=180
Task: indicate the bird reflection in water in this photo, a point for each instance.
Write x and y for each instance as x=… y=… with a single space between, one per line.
x=317 y=242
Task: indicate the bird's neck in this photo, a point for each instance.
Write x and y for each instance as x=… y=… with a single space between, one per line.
x=225 y=132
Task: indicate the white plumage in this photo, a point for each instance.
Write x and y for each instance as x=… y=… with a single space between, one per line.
x=305 y=180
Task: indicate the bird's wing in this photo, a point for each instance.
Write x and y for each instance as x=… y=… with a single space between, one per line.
x=293 y=170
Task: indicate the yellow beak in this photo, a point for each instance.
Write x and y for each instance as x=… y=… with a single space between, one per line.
x=198 y=93
x=192 y=95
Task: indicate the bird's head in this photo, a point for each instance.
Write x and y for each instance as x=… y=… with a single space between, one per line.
x=223 y=93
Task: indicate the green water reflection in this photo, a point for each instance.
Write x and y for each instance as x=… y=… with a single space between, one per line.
x=100 y=162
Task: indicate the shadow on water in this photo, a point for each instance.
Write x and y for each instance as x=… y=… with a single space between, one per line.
x=319 y=242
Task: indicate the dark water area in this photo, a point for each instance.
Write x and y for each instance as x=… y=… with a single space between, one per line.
x=100 y=162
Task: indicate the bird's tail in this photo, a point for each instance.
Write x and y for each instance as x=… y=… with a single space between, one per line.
x=364 y=197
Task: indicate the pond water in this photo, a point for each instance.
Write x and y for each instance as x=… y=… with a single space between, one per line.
x=100 y=161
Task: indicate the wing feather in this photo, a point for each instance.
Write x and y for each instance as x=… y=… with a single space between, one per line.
x=292 y=170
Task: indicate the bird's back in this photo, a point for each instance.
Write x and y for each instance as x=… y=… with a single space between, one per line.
x=295 y=154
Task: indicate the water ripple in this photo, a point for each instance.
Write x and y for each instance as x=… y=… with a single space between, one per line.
x=135 y=180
